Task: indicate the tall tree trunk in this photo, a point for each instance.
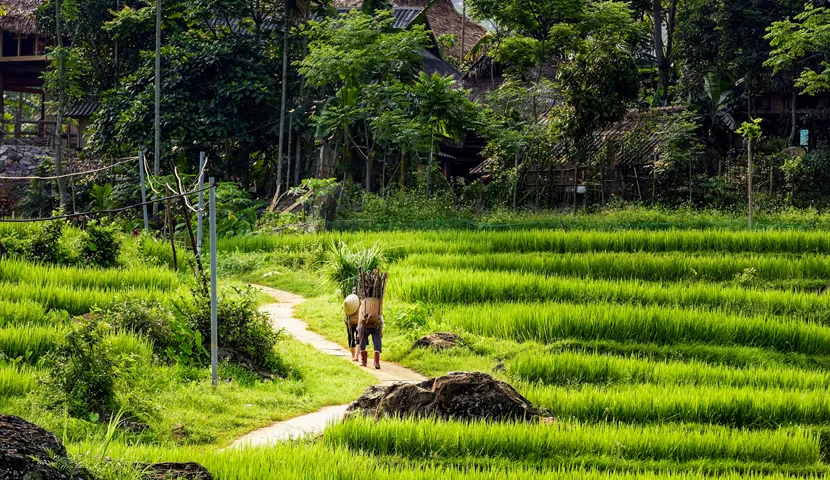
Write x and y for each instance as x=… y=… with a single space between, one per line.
x=285 y=26
x=367 y=172
x=298 y=163
x=157 y=102
x=402 y=176
x=463 y=27
x=794 y=140
x=62 y=197
x=288 y=153
x=749 y=178
x=659 y=47
x=429 y=165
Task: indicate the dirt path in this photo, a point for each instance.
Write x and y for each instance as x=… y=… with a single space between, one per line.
x=282 y=316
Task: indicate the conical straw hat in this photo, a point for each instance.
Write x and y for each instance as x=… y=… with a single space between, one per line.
x=351 y=304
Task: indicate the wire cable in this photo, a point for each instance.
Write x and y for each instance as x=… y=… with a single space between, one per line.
x=100 y=212
x=68 y=175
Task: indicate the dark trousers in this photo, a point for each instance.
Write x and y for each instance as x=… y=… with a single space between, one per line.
x=351 y=331
x=376 y=339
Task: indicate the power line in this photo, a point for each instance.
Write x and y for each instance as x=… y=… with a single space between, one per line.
x=100 y=212
x=76 y=174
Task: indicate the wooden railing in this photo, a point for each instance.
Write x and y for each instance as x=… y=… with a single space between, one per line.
x=43 y=129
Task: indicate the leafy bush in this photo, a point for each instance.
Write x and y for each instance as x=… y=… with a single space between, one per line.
x=187 y=345
x=343 y=264
x=148 y=318
x=45 y=245
x=101 y=245
x=82 y=371
x=235 y=211
x=246 y=335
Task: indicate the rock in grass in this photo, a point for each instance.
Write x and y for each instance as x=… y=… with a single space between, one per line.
x=438 y=341
x=368 y=402
x=175 y=471
x=30 y=452
x=458 y=396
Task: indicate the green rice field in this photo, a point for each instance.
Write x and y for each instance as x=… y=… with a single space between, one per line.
x=661 y=352
x=678 y=354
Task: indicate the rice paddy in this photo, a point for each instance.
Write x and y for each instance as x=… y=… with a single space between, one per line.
x=654 y=351
x=680 y=354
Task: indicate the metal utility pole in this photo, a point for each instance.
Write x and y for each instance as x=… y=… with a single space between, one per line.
x=202 y=168
x=157 y=146
x=214 y=329
x=59 y=117
x=143 y=190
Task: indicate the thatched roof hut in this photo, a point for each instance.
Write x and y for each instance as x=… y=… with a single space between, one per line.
x=443 y=19
x=20 y=16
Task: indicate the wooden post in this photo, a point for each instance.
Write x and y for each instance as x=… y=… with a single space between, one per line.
x=2 y=97
x=19 y=115
x=749 y=179
x=172 y=230
x=637 y=178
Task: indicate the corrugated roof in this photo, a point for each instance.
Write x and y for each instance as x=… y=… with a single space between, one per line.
x=433 y=64
x=404 y=16
x=83 y=110
x=443 y=19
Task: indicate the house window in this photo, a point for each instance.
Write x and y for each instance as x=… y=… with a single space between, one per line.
x=9 y=44
x=27 y=45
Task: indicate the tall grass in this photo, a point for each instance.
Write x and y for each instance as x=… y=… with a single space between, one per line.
x=575 y=369
x=19 y=271
x=637 y=265
x=21 y=313
x=735 y=407
x=16 y=380
x=549 y=322
x=318 y=462
x=28 y=342
x=467 y=286
x=402 y=243
x=680 y=443
x=76 y=301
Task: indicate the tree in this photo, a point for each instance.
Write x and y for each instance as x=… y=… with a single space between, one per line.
x=795 y=41
x=346 y=54
x=751 y=131
x=441 y=109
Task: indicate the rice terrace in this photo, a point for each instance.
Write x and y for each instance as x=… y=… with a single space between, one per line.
x=668 y=352
x=414 y=239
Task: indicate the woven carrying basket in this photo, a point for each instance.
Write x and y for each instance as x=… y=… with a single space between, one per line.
x=353 y=319
x=374 y=307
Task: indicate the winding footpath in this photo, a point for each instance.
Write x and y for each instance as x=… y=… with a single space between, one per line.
x=282 y=317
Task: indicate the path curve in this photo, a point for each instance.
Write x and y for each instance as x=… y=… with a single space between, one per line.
x=282 y=317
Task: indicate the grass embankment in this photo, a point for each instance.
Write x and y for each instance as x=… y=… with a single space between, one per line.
x=176 y=402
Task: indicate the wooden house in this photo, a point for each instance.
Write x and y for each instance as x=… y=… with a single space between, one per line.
x=22 y=63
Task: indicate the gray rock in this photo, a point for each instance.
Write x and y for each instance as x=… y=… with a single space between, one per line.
x=438 y=341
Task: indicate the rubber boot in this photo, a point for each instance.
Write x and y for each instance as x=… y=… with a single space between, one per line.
x=364 y=357
x=377 y=360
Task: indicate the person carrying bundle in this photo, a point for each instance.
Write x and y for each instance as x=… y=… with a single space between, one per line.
x=372 y=286
x=351 y=305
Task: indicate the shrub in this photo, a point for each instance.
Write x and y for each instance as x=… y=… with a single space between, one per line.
x=148 y=318
x=45 y=245
x=245 y=334
x=100 y=245
x=82 y=371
